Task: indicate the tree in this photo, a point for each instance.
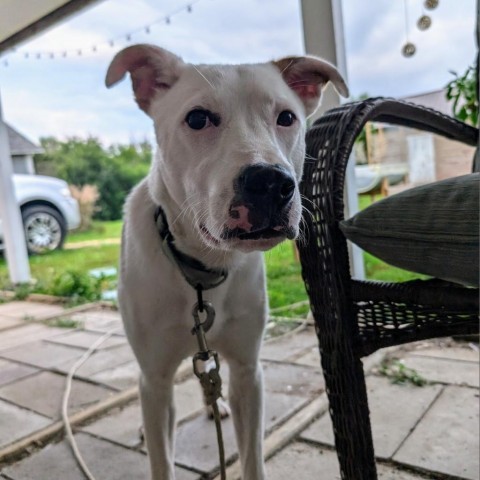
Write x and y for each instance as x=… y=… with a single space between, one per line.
x=85 y=162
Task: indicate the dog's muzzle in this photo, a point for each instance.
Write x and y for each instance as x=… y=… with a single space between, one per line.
x=261 y=205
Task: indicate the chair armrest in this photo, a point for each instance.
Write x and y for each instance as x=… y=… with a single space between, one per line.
x=331 y=138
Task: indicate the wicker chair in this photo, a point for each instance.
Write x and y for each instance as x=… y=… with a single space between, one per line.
x=355 y=318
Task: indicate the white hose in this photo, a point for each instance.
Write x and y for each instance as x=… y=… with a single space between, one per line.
x=66 y=395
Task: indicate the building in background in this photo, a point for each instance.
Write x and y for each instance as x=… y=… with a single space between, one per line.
x=22 y=151
x=422 y=157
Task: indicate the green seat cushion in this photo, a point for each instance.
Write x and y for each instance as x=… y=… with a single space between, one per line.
x=432 y=229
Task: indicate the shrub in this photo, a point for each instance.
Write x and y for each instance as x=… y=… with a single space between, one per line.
x=79 y=287
x=463 y=91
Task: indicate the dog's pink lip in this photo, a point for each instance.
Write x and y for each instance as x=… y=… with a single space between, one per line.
x=208 y=235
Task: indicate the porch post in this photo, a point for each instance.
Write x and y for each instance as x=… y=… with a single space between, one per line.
x=323 y=36
x=12 y=226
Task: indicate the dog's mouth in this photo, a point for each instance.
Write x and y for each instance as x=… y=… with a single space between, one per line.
x=268 y=233
x=208 y=235
x=264 y=233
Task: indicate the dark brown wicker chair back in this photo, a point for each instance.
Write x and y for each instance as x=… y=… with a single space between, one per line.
x=354 y=318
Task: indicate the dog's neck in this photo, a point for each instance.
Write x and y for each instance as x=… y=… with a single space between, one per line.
x=187 y=240
x=197 y=274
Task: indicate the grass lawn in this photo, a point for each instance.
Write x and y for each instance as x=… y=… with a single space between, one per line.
x=284 y=280
x=99 y=231
x=46 y=269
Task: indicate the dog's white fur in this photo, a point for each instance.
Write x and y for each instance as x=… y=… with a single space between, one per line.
x=192 y=179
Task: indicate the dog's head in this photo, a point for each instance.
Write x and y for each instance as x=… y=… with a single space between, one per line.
x=230 y=140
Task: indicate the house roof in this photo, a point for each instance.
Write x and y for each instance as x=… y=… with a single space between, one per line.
x=435 y=99
x=21 y=145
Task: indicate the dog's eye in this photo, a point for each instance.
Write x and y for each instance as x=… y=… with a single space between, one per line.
x=286 y=118
x=198 y=119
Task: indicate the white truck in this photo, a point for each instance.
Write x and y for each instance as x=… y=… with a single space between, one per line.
x=48 y=211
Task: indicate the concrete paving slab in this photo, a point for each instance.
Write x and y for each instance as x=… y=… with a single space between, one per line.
x=445 y=371
x=464 y=353
x=389 y=429
x=11 y=371
x=100 y=320
x=27 y=333
x=100 y=361
x=43 y=393
x=105 y=460
x=85 y=339
x=42 y=354
x=30 y=310
x=279 y=407
x=305 y=462
x=289 y=346
x=447 y=439
x=121 y=377
x=283 y=377
x=388 y=473
x=188 y=399
x=311 y=358
x=292 y=379
x=120 y=426
x=17 y=423
x=9 y=322
x=196 y=443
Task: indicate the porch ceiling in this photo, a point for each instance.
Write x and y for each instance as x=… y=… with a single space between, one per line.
x=22 y=19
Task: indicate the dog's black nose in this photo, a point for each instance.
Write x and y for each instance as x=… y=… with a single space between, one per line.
x=271 y=184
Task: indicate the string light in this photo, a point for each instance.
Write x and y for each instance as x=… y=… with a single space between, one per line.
x=167 y=20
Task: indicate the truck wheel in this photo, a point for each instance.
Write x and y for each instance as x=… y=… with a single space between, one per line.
x=45 y=228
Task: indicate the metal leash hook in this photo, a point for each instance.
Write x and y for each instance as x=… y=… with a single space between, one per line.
x=210 y=379
x=200 y=328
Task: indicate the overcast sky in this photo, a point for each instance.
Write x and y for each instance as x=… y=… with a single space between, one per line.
x=66 y=96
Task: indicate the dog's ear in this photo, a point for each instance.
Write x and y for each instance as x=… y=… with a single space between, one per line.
x=152 y=69
x=307 y=77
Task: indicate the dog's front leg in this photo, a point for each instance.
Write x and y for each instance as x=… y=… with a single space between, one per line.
x=159 y=423
x=246 y=401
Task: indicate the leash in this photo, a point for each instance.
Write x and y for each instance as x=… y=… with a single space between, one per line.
x=201 y=278
x=210 y=380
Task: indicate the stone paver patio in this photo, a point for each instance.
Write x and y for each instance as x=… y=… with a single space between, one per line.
x=419 y=432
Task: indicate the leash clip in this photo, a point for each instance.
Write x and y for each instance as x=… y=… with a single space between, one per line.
x=210 y=317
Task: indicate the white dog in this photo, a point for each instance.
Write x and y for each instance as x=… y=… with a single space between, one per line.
x=223 y=186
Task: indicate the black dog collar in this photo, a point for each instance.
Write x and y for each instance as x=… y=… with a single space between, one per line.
x=194 y=271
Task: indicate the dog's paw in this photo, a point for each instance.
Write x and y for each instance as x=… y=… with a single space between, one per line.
x=223 y=408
